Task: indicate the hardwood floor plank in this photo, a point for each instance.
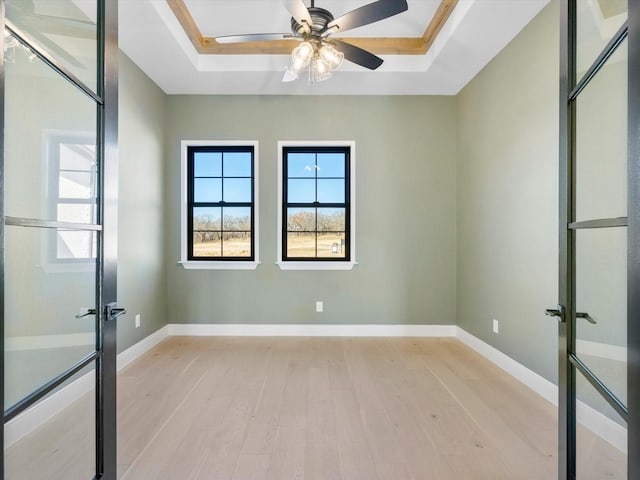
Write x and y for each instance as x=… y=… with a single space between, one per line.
x=252 y=467
x=364 y=362
x=287 y=461
x=356 y=458
x=322 y=459
x=225 y=431
x=392 y=471
x=293 y=410
x=263 y=427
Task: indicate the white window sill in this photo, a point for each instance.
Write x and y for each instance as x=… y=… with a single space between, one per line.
x=316 y=265
x=232 y=265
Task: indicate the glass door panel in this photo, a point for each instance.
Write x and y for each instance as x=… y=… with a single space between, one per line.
x=601 y=294
x=50 y=144
x=601 y=436
x=601 y=142
x=597 y=21
x=65 y=29
x=596 y=138
x=62 y=448
x=59 y=334
x=45 y=291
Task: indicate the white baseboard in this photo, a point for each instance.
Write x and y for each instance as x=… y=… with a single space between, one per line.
x=543 y=387
x=602 y=350
x=595 y=421
x=242 y=330
x=39 y=342
x=32 y=418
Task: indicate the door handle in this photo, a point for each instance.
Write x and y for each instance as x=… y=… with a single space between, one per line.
x=112 y=312
x=90 y=311
x=559 y=312
x=556 y=312
x=586 y=316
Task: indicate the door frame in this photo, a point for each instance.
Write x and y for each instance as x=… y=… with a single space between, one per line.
x=106 y=372
x=633 y=235
x=106 y=97
x=569 y=89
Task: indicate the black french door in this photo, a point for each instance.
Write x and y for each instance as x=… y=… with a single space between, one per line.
x=58 y=238
x=599 y=274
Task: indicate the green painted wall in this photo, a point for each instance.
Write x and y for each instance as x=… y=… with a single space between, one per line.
x=141 y=266
x=406 y=230
x=508 y=197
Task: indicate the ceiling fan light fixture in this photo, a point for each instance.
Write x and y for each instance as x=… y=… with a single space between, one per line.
x=320 y=70
x=320 y=66
x=301 y=56
x=331 y=56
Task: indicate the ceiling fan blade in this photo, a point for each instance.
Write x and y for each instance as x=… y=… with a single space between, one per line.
x=298 y=10
x=65 y=26
x=255 y=37
x=358 y=55
x=367 y=14
x=54 y=49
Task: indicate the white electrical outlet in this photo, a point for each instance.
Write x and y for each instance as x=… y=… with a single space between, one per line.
x=319 y=307
x=496 y=326
x=137 y=320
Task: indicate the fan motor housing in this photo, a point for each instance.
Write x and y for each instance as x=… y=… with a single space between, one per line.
x=320 y=18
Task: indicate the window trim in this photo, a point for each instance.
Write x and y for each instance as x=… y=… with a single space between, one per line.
x=314 y=264
x=184 y=204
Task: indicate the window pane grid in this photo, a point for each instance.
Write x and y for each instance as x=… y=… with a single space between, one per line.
x=316 y=230
x=221 y=229
x=309 y=178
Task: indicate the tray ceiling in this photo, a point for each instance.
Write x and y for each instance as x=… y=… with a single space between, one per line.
x=435 y=47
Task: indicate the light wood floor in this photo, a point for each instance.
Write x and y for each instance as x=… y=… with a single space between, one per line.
x=333 y=409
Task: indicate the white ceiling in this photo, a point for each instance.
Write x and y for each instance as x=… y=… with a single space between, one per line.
x=476 y=31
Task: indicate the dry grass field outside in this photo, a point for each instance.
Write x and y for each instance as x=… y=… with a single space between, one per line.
x=233 y=247
x=304 y=245
x=300 y=245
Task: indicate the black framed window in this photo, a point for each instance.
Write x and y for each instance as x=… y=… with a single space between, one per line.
x=316 y=203
x=220 y=203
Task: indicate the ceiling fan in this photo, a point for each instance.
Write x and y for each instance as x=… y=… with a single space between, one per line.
x=313 y=25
